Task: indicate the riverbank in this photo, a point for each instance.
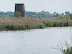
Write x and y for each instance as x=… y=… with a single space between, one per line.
x=32 y=23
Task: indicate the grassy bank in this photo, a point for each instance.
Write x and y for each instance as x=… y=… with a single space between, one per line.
x=32 y=23
x=21 y=27
x=57 y=24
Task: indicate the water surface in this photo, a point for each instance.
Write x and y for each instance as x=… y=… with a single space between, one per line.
x=36 y=41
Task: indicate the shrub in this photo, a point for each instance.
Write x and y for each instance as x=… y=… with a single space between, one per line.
x=17 y=14
x=70 y=16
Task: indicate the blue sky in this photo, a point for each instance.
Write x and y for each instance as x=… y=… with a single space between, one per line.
x=38 y=5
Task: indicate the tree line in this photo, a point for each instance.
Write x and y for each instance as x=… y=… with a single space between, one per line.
x=41 y=14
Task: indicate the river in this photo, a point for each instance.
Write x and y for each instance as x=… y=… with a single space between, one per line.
x=35 y=41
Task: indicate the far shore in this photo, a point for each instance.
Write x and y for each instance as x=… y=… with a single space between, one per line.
x=24 y=23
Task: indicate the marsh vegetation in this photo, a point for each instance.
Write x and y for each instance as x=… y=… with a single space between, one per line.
x=23 y=23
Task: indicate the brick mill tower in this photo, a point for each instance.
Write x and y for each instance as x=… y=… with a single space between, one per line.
x=19 y=7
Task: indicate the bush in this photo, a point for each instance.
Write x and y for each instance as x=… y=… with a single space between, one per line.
x=17 y=14
x=70 y=16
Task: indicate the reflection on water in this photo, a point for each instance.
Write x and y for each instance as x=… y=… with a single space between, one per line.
x=37 y=41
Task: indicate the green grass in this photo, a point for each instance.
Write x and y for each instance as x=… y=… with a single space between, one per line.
x=57 y=24
x=34 y=26
x=21 y=27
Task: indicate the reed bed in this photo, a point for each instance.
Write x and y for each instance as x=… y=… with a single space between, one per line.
x=23 y=23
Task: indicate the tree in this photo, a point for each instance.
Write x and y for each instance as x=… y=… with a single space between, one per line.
x=62 y=14
x=56 y=15
x=70 y=16
x=17 y=14
x=67 y=13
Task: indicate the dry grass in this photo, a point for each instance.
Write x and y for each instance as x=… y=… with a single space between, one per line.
x=27 y=20
x=58 y=19
x=22 y=23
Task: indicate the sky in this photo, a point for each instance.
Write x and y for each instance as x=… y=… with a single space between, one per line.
x=38 y=5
